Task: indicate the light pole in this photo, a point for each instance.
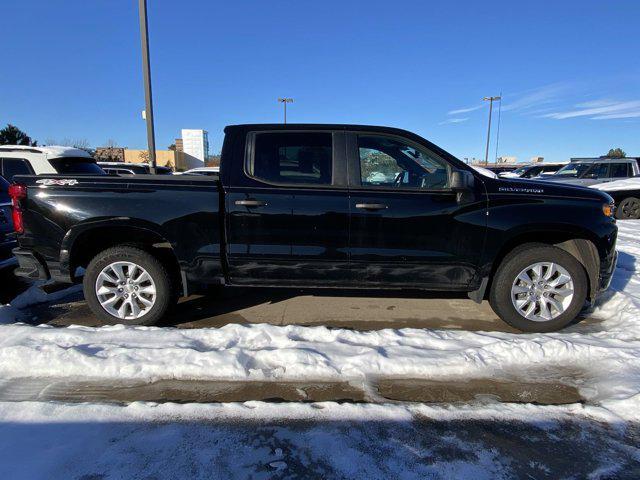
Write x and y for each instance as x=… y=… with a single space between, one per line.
x=146 y=73
x=284 y=102
x=491 y=99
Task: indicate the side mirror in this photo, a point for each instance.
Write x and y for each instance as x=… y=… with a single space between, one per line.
x=461 y=180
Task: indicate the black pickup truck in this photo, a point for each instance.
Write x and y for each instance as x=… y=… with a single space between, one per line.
x=320 y=206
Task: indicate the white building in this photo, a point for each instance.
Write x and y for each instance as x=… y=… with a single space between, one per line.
x=195 y=143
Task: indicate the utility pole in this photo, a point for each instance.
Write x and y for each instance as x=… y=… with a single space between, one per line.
x=146 y=73
x=284 y=101
x=491 y=100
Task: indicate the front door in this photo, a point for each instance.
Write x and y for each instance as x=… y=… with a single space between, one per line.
x=288 y=216
x=408 y=228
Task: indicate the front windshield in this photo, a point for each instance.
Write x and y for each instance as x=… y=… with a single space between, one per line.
x=574 y=169
x=520 y=171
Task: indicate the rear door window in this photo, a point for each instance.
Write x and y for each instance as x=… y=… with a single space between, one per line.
x=76 y=165
x=599 y=170
x=292 y=158
x=620 y=170
x=15 y=166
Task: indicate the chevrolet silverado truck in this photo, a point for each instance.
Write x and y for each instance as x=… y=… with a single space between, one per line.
x=313 y=206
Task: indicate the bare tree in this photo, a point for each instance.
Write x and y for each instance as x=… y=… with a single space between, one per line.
x=144 y=156
x=111 y=143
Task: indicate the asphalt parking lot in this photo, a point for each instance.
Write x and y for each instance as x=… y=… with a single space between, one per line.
x=335 y=308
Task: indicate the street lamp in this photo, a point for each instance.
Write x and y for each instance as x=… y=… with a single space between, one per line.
x=284 y=102
x=146 y=73
x=491 y=99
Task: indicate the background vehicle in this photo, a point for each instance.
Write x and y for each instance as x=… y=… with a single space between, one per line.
x=294 y=206
x=499 y=168
x=208 y=171
x=7 y=243
x=122 y=168
x=626 y=194
x=530 y=171
x=592 y=172
x=22 y=160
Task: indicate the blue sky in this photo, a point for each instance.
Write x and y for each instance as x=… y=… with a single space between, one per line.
x=569 y=71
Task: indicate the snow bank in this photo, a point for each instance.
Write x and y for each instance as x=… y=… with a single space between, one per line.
x=11 y=313
x=604 y=357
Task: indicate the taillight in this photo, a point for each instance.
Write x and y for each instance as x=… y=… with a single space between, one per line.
x=17 y=192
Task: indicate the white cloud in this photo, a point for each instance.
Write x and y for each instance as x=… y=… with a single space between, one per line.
x=602 y=109
x=633 y=114
x=454 y=120
x=539 y=96
x=465 y=110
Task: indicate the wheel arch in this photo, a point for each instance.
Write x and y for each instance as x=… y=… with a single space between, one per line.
x=578 y=243
x=85 y=241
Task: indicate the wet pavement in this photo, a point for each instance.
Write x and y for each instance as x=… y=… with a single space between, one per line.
x=353 y=309
x=539 y=386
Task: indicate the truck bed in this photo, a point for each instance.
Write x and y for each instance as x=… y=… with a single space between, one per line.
x=181 y=213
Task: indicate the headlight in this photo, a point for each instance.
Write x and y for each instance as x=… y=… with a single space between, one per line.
x=608 y=209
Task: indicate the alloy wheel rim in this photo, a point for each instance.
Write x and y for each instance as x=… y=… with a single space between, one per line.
x=542 y=291
x=125 y=290
x=631 y=209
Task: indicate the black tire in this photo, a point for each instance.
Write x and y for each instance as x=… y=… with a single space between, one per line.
x=519 y=259
x=165 y=297
x=628 y=209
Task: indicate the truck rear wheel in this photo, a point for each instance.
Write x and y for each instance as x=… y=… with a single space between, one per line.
x=538 y=288
x=628 y=209
x=127 y=285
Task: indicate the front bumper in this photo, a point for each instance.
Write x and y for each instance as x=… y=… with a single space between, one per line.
x=606 y=273
x=30 y=266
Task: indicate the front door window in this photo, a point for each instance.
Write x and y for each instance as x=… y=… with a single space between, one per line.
x=392 y=163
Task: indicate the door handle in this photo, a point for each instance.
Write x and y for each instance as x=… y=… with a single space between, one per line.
x=251 y=203
x=371 y=206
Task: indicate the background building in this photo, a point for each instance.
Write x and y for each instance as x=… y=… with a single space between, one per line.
x=195 y=144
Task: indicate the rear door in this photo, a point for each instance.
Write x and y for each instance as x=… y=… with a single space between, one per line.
x=408 y=228
x=288 y=210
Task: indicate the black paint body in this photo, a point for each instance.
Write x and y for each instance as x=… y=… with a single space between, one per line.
x=309 y=235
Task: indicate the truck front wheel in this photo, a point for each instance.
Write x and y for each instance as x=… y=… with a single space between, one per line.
x=538 y=288
x=127 y=285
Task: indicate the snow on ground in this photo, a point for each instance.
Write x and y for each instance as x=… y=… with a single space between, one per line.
x=324 y=440
x=606 y=355
x=33 y=295
x=265 y=440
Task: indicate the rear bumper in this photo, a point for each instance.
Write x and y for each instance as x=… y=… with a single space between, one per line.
x=30 y=266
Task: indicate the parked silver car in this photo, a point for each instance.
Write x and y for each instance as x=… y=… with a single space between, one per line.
x=594 y=171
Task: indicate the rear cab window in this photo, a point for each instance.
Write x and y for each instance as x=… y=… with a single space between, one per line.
x=292 y=158
x=10 y=167
x=76 y=166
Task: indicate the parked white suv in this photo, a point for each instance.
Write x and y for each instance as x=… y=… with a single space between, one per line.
x=23 y=160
